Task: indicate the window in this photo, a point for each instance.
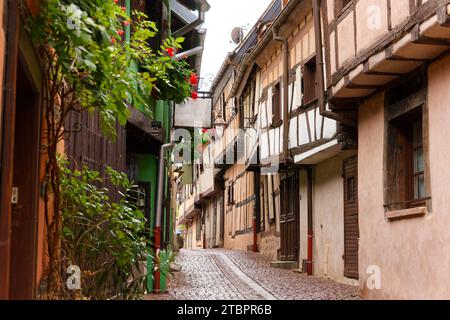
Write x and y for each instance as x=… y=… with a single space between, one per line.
x=418 y=160
x=230 y=194
x=406 y=160
x=405 y=154
x=309 y=81
x=276 y=104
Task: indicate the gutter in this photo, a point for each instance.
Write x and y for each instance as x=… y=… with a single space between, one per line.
x=309 y=268
x=159 y=206
x=203 y=6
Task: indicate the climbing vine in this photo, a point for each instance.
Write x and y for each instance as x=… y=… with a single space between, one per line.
x=88 y=66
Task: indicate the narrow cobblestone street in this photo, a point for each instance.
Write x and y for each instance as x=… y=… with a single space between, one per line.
x=236 y=275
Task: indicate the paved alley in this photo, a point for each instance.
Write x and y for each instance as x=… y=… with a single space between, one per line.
x=236 y=275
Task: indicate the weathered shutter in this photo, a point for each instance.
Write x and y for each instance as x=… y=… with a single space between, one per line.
x=351 y=227
x=269 y=106
x=298 y=94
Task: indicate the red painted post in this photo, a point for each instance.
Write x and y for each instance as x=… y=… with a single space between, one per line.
x=255 y=236
x=310 y=221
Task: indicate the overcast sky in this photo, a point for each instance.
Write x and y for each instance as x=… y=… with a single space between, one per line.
x=223 y=16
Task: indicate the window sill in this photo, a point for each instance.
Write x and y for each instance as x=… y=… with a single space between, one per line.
x=406 y=213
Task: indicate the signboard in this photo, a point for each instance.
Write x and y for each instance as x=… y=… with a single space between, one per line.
x=194 y=113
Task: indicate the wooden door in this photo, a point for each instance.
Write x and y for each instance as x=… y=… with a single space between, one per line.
x=25 y=183
x=289 y=218
x=351 y=226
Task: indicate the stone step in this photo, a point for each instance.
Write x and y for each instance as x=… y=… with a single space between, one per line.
x=284 y=264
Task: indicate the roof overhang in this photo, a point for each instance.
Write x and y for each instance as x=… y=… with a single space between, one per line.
x=423 y=42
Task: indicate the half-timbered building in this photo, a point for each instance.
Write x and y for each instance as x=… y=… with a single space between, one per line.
x=388 y=67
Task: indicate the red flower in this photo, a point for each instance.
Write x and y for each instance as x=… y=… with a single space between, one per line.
x=113 y=40
x=124 y=9
x=126 y=23
x=116 y=1
x=193 y=79
x=120 y=32
x=194 y=95
x=170 y=52
x=204 y=130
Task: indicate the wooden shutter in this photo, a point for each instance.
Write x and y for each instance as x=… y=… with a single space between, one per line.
x=351 y=227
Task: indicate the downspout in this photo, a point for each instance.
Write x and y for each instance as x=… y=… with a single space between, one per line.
x=310 y=221
x=159 y=207
x=7 y=145
x=256 y=212
x=285 y=44
x=320 y=67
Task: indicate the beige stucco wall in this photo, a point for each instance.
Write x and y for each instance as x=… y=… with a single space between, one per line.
x=269 y=243
x=191 y=235
x=239 y=218
x=371 y=22
x=301 y=42
x=413 y=254
x=328 y=219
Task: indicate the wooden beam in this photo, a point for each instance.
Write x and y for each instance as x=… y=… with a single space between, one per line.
x=369 y=72
x=351 y=85
x=443 y=15
x=418 y=38
x=393 y=57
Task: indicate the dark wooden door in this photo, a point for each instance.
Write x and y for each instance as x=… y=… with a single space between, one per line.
x=351 y=226
x=25 y=183
x=289 y=218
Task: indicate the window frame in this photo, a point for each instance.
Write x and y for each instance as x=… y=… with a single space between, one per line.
x=309 y=79
x=340 y=8
x=400 y=114
x=276 y=104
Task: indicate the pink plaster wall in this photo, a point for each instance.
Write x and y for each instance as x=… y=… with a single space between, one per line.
x=413 y=254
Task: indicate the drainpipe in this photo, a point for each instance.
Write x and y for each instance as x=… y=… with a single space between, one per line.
x=256 y=212
x=159 y=207
x=285 y=44
x=310 y=221
x=188 y=53
x=320 y=67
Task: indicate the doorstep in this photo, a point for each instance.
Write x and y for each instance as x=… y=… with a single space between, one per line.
x=288 y=265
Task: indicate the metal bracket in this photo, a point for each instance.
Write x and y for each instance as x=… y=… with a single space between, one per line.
x=15 y=195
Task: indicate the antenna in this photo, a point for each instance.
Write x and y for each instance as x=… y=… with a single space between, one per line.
x=237 y=35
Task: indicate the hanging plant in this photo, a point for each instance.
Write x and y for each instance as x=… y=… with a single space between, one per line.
x=87 y=66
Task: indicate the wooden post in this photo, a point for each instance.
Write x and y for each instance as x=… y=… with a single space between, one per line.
x=7 y=148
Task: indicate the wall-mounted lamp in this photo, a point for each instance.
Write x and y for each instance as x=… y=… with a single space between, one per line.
x=220 y=125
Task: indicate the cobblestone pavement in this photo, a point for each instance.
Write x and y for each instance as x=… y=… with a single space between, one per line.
x=238 y=275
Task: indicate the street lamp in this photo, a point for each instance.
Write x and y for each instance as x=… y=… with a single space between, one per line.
x=220 y=125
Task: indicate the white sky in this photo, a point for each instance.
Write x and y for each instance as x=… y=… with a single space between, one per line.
x=223 y=16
